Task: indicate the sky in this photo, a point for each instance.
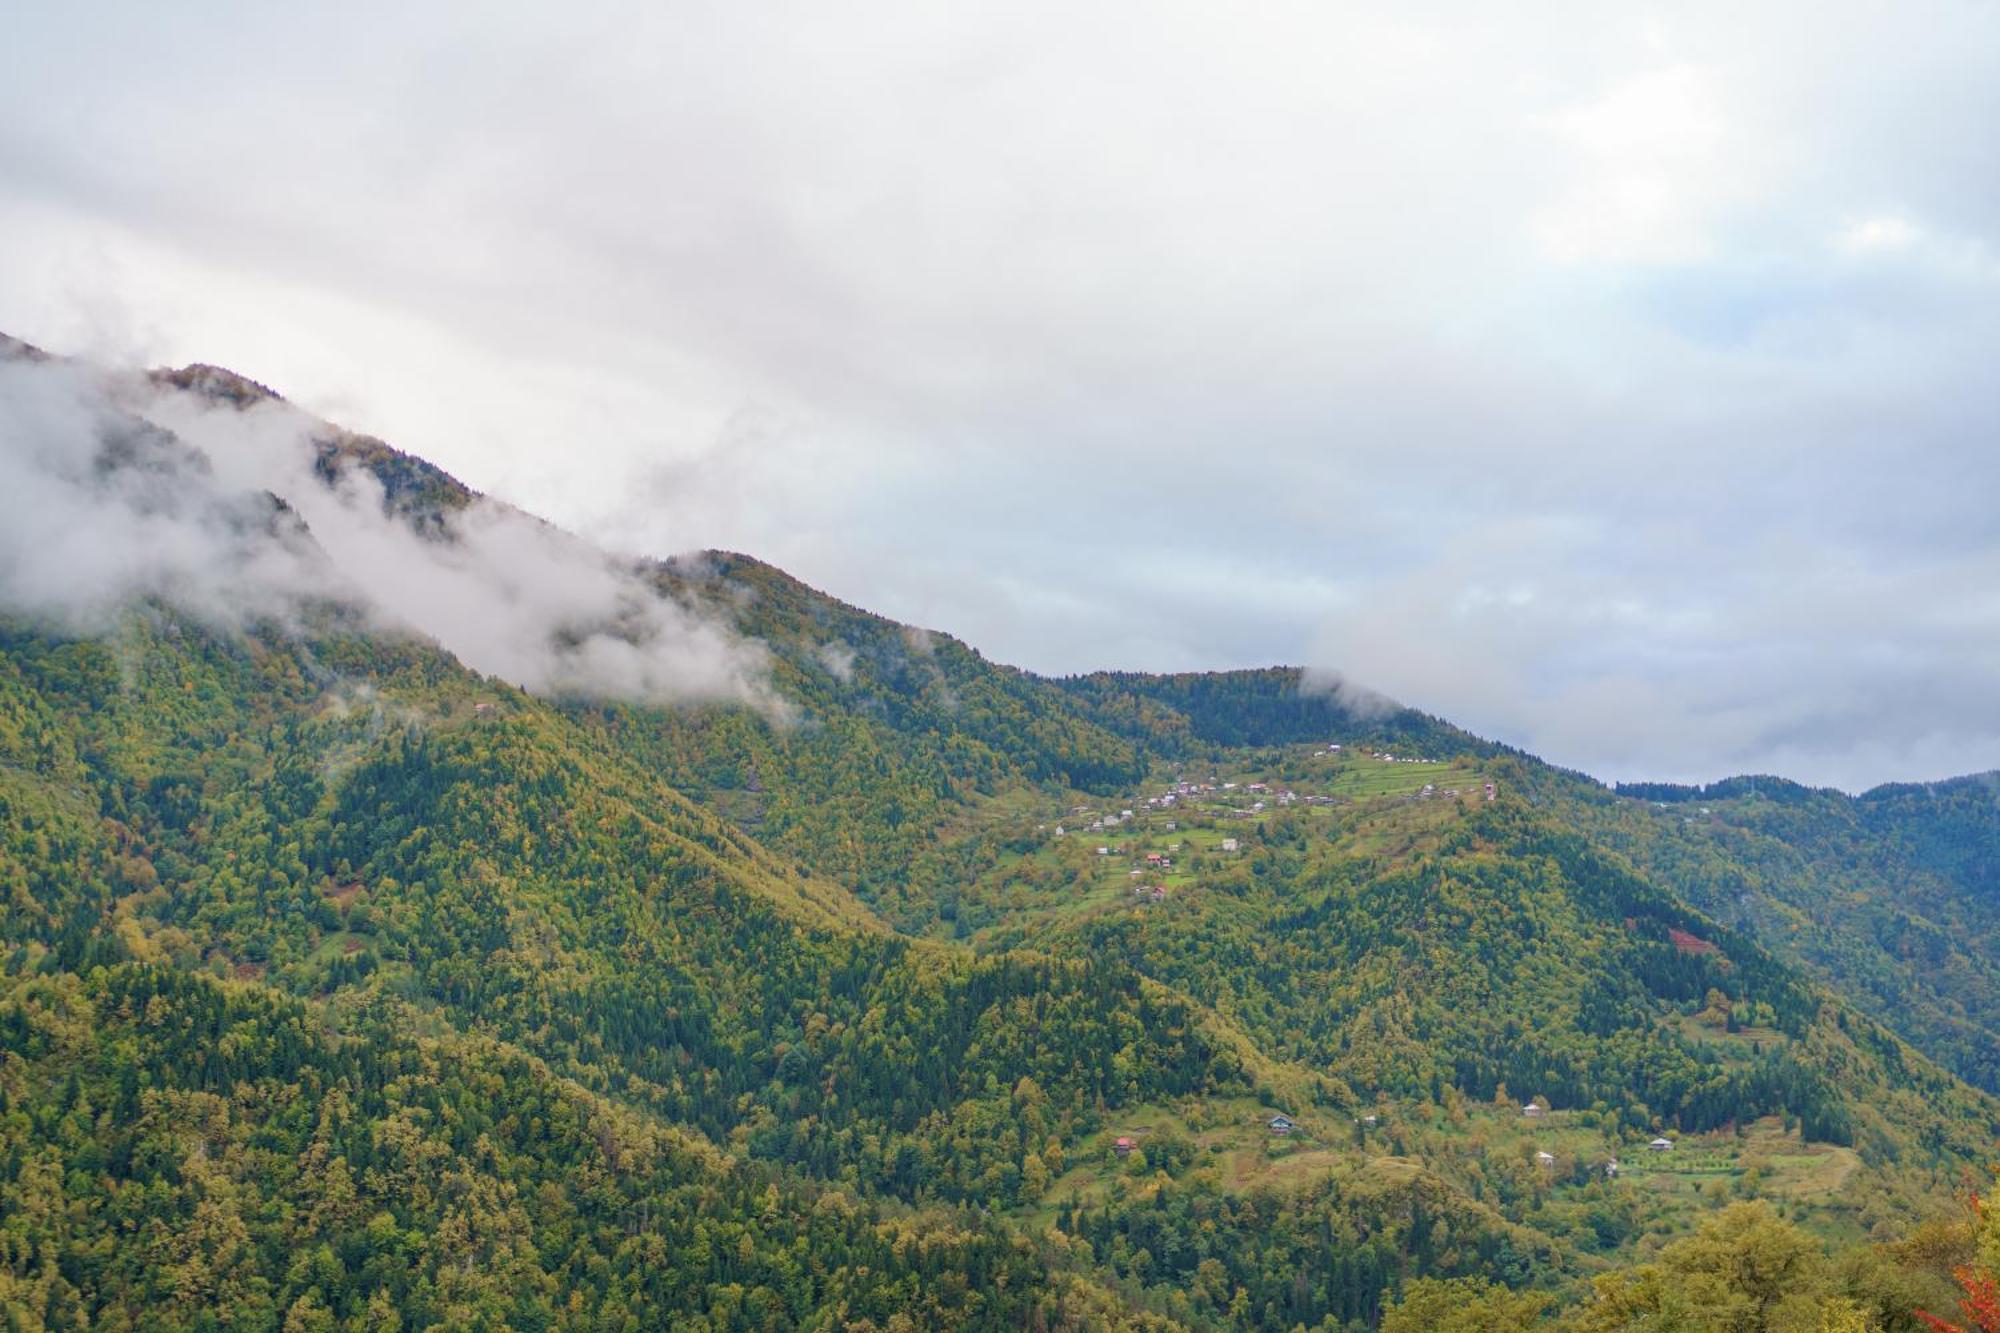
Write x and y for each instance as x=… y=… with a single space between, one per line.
x=1617 y=381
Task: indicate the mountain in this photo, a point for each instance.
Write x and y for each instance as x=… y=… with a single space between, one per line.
x=1890 y=897
x=769 y=963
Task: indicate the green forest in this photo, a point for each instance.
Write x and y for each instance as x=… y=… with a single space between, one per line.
x=343 y=987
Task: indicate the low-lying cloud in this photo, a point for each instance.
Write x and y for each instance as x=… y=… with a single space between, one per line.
x=112 y=491
x=98 y=508
x=1358 y=700
x=838 y=659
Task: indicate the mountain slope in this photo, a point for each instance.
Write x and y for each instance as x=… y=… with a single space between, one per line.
x=1888 y=897
x=826 y=941
x=1174 y=714
x=190 y=1153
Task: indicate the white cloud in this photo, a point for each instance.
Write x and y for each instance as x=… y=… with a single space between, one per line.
x=838 y=659
x=1208 y=339
x=1877 y=235
x=99 y=509
x=1655 y=170
x=103 y=505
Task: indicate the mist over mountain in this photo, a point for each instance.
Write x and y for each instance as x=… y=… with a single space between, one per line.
x=121 y=487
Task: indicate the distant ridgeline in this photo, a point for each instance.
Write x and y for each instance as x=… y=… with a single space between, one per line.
x=345 y=987
x=1726 y=789
x=1266 y=706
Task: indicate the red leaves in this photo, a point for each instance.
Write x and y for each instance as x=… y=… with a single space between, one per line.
x=1981 y=1304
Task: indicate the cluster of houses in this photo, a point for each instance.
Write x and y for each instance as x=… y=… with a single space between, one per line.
x=1103 y=822
x=1183 y=792
x=1153 y=861
x=1220 y=803
x=1180 y=791
x=1282 y=1126
x=1452 y=793
x=1611 y=1169
x=1547 y=1160
x=1100 y=824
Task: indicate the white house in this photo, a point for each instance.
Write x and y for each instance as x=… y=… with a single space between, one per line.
x=1229 y=844
x=1660 y=1145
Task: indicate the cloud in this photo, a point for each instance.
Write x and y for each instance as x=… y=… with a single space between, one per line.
x=1655 y=166
x=838 y=659
x=98 y=507
x=1877 y=235
x=1520 y=364
x=168 y=495
x=1774 y=657
x=1357 y=699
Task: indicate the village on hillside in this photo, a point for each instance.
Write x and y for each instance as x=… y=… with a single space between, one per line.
x=1557 y=1159
x=1155 y=840
x=1157 y=848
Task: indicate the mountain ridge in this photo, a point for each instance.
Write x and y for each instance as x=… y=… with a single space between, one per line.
x=850 y=942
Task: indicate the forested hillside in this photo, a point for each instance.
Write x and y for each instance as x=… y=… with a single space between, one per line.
x=346 y=986
x=1890 y=897
x=1272 y=706
x=191 y=1153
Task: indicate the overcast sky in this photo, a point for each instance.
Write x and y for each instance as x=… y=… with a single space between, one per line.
x=1617 y=381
